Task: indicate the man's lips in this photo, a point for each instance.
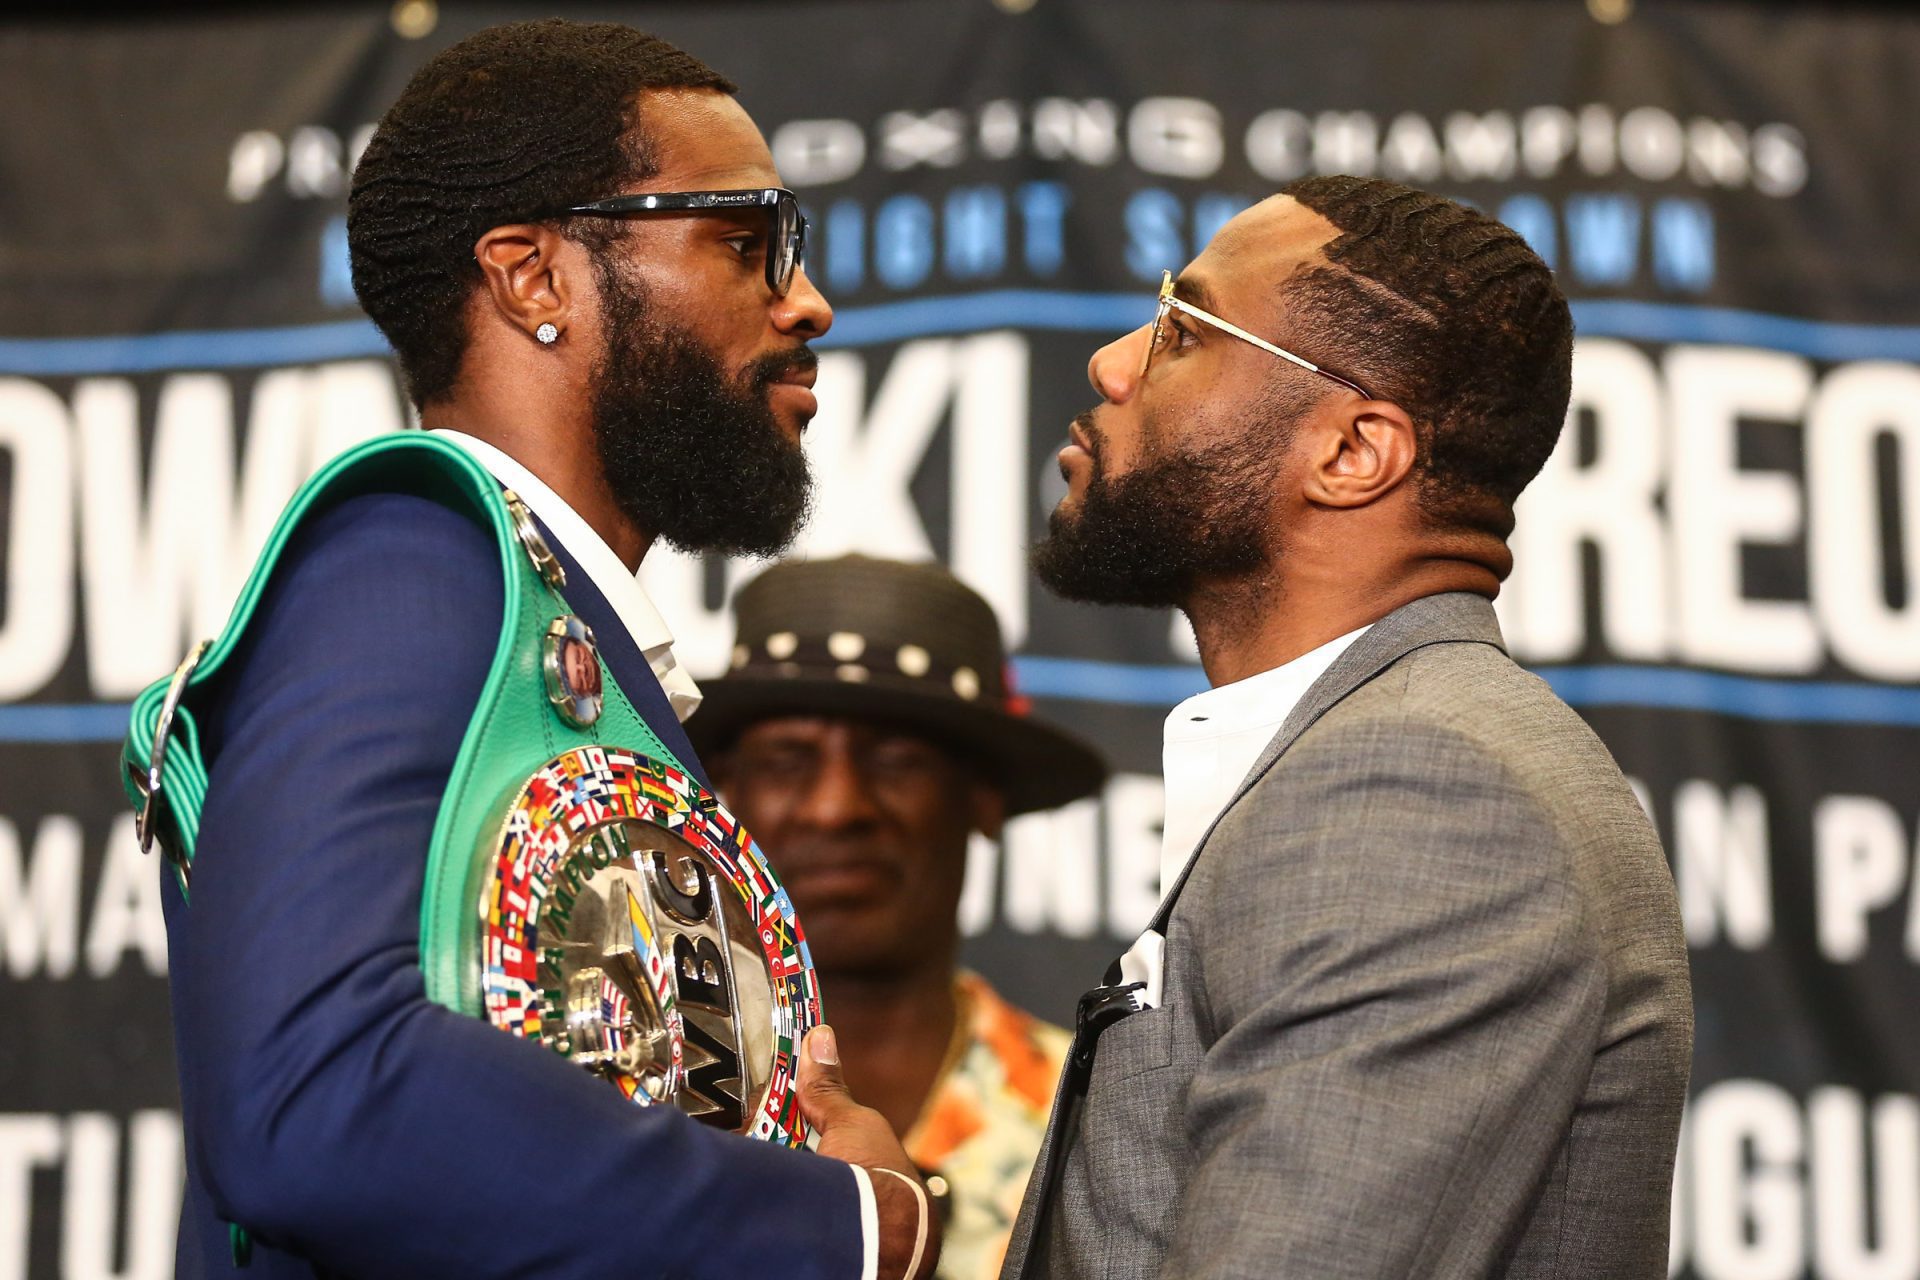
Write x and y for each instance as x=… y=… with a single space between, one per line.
x=1079 y=450
x=800 y=376
x=796 y=387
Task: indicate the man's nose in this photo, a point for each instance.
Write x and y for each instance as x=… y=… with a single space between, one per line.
x=1114 y=369
x=805 y=310
x=838 y=796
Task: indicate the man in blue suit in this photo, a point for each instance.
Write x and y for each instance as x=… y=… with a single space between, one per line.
x=636 y=371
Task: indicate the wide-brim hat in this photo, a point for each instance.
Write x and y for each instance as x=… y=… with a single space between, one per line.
x=909 y=644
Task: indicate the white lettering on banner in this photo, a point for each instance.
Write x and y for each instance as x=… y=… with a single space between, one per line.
x=1720 y=865
x=1608 y=503
x=36 y=614
x=999 y=131
x=1748 y=1198
x=1048 y=868
x=1847 y=1216
x=1648 y=475
x=1718 y=506
x=91 y=1212
x=1664 y=501
x=1087 y=131
x=1860 y=407
x=1050 y=882
x=40 y=898
x=27 y=1142
x=162 y=569
x=977 y=889
x=1179 y=137
x=1136 y=806
x=1769 y=1188
x=1481 y=148
x=40 y=902
x=1860 y=864
x=1186 y=138
x=126 y=907
x=96 y=1226
x=937 y=138
x=1650 y=143
x=811 y=153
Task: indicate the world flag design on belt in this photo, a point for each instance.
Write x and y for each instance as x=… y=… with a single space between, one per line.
x=554 y=819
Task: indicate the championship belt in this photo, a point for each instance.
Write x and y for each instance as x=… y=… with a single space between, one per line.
x=632 y=925
x=582 y=890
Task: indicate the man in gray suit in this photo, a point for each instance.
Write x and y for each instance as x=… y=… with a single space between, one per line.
x=1416 y=1003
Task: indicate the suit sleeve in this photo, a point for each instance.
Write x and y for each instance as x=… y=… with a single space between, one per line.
x=332 y=1109
x=1405 y=996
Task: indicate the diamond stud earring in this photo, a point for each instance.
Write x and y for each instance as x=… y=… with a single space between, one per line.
x=547 y=334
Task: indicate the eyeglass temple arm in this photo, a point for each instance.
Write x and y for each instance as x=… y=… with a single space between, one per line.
x=1244 y=336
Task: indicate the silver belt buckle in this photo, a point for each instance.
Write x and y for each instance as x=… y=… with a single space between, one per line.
x=149 y=787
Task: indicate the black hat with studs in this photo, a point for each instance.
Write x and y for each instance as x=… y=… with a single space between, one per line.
x=906 y=643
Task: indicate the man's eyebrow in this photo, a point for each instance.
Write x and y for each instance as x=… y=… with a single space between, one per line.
x=1188 y=289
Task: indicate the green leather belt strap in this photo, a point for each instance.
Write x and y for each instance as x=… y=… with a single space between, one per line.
x=514 y=729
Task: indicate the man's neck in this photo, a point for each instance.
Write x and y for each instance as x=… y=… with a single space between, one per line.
x=563 y=459
x=894 y=1032
x=1254 y=623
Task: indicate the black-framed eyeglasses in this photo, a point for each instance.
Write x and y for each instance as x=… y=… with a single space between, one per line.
x=786 y=247
x=1168 y=302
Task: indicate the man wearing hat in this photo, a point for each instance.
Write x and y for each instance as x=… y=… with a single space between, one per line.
x=864 y=732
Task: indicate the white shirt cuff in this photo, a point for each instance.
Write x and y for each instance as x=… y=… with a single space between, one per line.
x=869 y=1225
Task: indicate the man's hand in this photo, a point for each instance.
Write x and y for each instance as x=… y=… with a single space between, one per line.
x=860 y=1135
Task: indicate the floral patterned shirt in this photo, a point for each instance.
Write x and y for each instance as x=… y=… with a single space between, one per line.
x=981 y=1126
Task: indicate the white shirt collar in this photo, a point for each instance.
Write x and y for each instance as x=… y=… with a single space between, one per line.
x=1213 y=738
x=621 y=588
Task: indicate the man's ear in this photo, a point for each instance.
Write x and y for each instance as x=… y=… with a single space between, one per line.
x=1360 y=453
x=520 y=266
x=989 y=809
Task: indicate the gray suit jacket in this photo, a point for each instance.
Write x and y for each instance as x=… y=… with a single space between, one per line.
x=1425 y=1007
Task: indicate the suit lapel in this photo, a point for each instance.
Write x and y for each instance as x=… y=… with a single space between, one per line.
x=628 y=666
x=1455 y=617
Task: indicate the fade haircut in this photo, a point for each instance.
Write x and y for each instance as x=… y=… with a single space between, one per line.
x=508 y=123
x=1450 y=315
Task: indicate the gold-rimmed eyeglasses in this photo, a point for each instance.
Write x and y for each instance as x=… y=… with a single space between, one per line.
x=1170 y=303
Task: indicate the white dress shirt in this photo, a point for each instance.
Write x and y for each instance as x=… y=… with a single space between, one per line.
x=609 y=574
x=1210 y=742
x=649 y=631
x=1213 y=738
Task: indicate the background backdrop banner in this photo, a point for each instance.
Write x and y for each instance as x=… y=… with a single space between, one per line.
x=1718 y=568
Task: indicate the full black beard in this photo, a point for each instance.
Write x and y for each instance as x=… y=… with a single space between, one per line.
x=694 y=459
x=1154 y=535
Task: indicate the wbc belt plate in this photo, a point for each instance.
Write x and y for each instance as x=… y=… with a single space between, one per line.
x=632 y=925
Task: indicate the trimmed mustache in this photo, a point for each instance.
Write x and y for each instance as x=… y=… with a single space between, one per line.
x=775 y=365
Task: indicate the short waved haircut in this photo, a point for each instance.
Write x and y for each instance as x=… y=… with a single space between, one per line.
x=510 y=122
x=1450 y=315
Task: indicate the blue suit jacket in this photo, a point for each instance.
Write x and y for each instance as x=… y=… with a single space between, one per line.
x=353 y=1126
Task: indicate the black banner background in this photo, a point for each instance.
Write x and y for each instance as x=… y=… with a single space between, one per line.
x=1718 y=569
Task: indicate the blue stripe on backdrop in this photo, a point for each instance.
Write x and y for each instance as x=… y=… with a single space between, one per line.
x=1126 y=684
x=1071 y=679
x=1667 y=688
x=926 y=317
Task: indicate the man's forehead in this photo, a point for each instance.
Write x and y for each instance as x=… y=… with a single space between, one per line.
x=1261 y=246
x=702 y=139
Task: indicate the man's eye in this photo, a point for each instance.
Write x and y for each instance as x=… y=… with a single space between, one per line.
x=746 y=246
x=775 y=763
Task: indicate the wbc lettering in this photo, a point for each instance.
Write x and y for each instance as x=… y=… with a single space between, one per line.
x=703 y=980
